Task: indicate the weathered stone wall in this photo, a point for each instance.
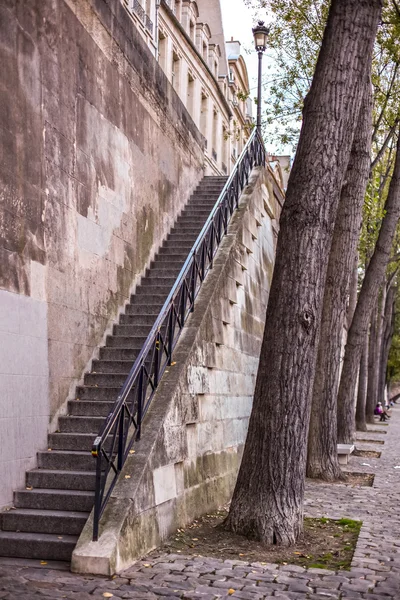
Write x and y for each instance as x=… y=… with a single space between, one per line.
x=187 y=460
x=98 y=155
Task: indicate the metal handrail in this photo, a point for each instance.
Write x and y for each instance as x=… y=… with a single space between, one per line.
x=123 y=425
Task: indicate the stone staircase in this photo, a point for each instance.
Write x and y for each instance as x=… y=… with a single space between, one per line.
x=49 y=514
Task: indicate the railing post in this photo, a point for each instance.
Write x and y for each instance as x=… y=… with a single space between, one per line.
x=193 y=283
x=120 y=461
x=157 y=355
x=170 y=334
x=97 y=498
x=140 y=403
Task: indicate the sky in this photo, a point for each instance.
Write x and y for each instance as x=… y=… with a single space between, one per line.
x=238 y=21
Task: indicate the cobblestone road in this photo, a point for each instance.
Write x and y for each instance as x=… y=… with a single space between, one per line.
x=375 y=572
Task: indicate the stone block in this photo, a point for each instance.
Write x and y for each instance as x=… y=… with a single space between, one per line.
x=164 y=483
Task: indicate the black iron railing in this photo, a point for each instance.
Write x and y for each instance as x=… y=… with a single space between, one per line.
x=139 y=11
x=124 y=424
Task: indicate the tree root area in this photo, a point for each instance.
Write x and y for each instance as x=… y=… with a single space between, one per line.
x=324 y=544
x=350 y=477
x=366 y=453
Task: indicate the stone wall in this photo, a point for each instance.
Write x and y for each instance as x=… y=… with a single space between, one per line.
x=98 y=156
x=192 y=439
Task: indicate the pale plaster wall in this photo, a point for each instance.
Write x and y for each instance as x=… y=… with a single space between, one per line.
x=98 y=156
x=192 y=439
x=24 y=380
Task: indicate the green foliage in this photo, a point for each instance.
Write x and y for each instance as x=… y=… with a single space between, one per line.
x=294 y=42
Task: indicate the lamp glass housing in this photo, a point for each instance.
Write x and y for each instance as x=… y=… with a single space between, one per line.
x=260 y=33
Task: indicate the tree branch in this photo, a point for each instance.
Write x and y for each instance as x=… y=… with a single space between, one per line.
x=384 y=145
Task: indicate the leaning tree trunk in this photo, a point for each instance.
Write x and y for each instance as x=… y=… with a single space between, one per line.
x=373 y=376
x=267 y=503
x=361 y=423
x=373 y=280
x=353 y=293
x=322 y=457
x=387 y=335
x=371 y=397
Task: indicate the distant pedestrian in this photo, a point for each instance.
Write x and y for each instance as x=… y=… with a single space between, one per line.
x=379 y=410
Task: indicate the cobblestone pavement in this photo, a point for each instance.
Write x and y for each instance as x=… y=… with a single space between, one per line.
x=375 y=572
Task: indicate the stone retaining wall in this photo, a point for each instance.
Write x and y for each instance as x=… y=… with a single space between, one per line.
x=98 y=156
x=192 y=439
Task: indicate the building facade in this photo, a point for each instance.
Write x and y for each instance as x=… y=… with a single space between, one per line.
x=209 y=75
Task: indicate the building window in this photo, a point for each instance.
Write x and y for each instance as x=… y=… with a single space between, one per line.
x=215 y=135
x=204 y=114
x=190 y=94
x=177 y=10
x=176 y=71
x=162 y=50
x=225 y=158
x=191 y=31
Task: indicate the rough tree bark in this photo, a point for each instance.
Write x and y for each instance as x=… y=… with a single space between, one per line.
x=361 y=423
x=375 y=363
x=373 y=280
x=387 y=335
x=353 y=294
x=370 y=401
x=322 y=457
x=267 y=503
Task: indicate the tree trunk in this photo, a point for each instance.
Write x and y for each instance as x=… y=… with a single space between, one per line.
x=267 y=503
x=322 y=458
x=373 y=280
x=361 y=423
x=371 y=398
x=376 y=355
x=353 y=292
x=387 y=335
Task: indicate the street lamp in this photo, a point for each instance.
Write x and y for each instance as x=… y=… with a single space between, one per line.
x=260 y=33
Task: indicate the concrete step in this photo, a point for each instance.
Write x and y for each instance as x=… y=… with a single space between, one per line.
x=62 y=480
x=80 y=424
x=173 y=262
x=168 y=250
x=90 y=409
x=180 y=236
x=105 y=379
x=145 y=321
x=44 y=499
x=149 y=299
x=119 y=354
x=90 y=392
x=37 y=545
x=81 y=442
x=165 y=282
x=132 y=342
x=127 y=331
x=66 y=460
x=112 y=366
x=78 y=442
x=153 y=286
x=190 y=228
x=143 y=310
x=56 y=522
x=158 y=272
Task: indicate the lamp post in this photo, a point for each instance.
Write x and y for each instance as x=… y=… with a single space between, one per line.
x=260 y=33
